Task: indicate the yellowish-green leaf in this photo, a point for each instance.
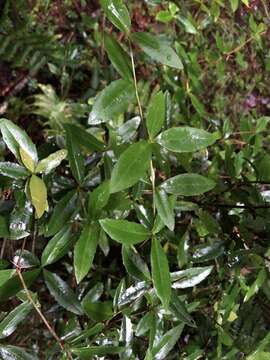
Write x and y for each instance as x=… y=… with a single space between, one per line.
x=27 y=160
x=38 y=193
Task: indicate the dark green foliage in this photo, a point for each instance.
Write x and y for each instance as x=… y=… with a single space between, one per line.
x=134 y=180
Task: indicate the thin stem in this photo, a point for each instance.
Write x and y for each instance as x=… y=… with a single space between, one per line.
x=135 y=81
x=4 y=243
x=152 y=176
x=29 y=297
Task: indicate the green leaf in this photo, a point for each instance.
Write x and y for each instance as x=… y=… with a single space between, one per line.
x=188 y=185
x=118 y=57
x=9 y=324
x=208 y=251
x=98 y=199
x=127 y=131
x=5 y=275
x=101 y=351
x=167 y=343
x=13 y=285
x=132 y=293
x=20 y=218
x=112 y=101
x=164 y=208
x=15 y=138
x=117 y=13
x=85 y=139
x=85 y=250
x=13 y=170
x=157 y=49
x=10 y=352
x=155 y=114
x=62 y=212
x=160 y=273
x=38 y=194
x=4 y=232
x=46 y=165
x=190 y=277
x=125 y=232
x=134 y=264
x=62 y=293
x=178 y=308
x=189 y=27
x=98 y=310
x=186 y=139
x=75 y=156
x=131 y=166
x=57 y=247
x=27 y=160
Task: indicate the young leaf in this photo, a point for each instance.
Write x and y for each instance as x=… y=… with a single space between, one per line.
x=9 y=324
x=158 y=49
x=164 y=208
x=57 y=247
x=155 y=114
x=186 y=139
x=131 y=166
x=160 y=273
x=188 y=185
x=62 y=293
x=46 y=165
x=27 y=160
x=75 y=156
x=16 y=139
x=85 y=250
x=117 y=13
x=134 y=264
x=112 y=101
x=62 y=212
x=125 y=232
x=13 y=170
x=38 y=194
x=118 y=57
x=9 y=352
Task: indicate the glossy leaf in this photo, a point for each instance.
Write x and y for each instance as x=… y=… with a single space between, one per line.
x=57 y=247
x=164 y=208
x=9 y=324
x=125 y=232
x=118 y=57
x=10 y=352
x=132 y=293
x=62 y=212
x=112 y=101
x=16 y=139
x=38 y=193
x=98 y=199
x=179 y=310
x=90 y=351
x=160 y=273
x=155 y=114
x=131 y=166
x=134 y=264
x=167 y=342
x=85 y=139
x=27 y=160
x=186 y=139
x=46 y=165
x=75 y=156
x=13 y=170
x=62 y=293
x=190 y=277
x=117 y=13
x=188 y=185
x=159 y=50
x=85 y=250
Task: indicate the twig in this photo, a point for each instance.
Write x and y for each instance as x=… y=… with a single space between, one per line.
x=51 y=330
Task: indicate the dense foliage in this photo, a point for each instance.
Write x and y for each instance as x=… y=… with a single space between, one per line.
x=135 y=173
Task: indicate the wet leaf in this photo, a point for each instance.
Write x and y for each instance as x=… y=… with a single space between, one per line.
x=125 y=232
x=46 y=165
x=190 y=277
x=10 y=352
x=134 y=264
x=13 y=170
x=117 y=13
